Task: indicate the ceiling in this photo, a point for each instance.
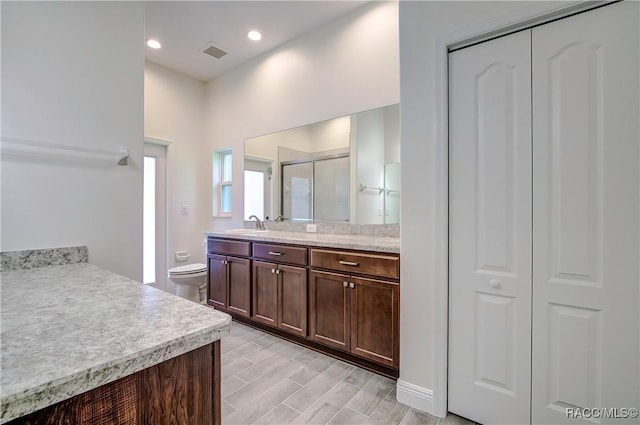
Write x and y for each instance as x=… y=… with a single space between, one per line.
x=185 y=28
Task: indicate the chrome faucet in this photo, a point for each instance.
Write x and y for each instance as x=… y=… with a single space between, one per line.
x=259 y=224
x=279 y=218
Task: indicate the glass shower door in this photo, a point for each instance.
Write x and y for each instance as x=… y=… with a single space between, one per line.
x=331 y=190
x=297 y=191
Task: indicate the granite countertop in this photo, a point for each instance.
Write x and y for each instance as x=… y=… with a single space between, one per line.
x=329 y=240
x=68 y=329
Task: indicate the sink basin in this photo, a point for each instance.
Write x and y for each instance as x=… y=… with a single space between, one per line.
x=245 y=231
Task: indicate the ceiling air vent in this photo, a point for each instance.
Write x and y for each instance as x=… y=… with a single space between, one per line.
x=212 y=50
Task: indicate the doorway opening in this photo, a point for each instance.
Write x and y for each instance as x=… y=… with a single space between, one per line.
x=154 y=223
x=257 y=188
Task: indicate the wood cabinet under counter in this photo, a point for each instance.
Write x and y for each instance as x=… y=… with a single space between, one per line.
x=355 y=313
x=280 y=296
x=229 y=276
x=343 y=299
x=185 y=388
x=103 y=349
x=279 y=287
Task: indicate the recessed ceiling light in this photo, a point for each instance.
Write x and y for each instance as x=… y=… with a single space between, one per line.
x=154 y=44
x=254 y=35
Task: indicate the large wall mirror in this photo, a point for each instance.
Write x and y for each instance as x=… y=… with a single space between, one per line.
x=344 y=170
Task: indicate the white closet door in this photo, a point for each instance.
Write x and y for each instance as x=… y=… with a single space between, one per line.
x=490 y=231
x=586 y=215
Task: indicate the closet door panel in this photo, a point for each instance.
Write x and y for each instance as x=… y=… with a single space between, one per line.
x=490 y=230
x=586 y=324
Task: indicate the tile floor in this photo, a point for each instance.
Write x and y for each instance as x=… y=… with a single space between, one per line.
x=266 y=380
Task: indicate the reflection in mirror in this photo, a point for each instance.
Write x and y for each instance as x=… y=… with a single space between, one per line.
x=297 y=191
x=344 y=170
x=331 y=190
x=257 y=187
x=392 y=192
x=315 y=187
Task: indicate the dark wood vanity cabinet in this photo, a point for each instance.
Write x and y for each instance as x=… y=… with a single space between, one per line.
x=229 y=276
x=341 y=301
x=280 y=290
x=355 y=313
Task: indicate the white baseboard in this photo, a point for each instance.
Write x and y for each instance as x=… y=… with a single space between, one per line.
x=415 y=396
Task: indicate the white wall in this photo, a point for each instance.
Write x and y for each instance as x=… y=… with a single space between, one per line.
x=174 y=112
x=421 y=23
x=348 y=66
x=68 y=78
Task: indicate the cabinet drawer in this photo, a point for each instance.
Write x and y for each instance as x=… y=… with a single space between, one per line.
x=228 y=247
x=280 y=253
x=370 y=264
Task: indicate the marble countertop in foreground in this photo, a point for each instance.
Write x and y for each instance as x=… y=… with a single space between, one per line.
x=68 y=329
x=328 y=240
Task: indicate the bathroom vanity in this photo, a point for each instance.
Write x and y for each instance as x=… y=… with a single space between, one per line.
x=335 y=293
x=83 y=345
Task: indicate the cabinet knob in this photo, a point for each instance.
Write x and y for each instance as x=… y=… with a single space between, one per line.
x=345 y=284
x=278 y=271
x=273 y=270
x=495 y=283
x=225 y=262
x=352 y=285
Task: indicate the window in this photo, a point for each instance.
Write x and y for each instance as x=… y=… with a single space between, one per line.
x=222 y=175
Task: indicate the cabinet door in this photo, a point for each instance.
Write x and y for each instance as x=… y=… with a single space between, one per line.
x=217 y=293
x=265 y=293
x=374 y=320
x=292 y=311
x=239 y=285
x=330 y=309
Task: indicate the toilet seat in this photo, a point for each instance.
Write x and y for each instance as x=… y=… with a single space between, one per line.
x=188 y=269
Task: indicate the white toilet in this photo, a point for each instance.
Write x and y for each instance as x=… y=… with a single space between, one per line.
x=190 y=281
